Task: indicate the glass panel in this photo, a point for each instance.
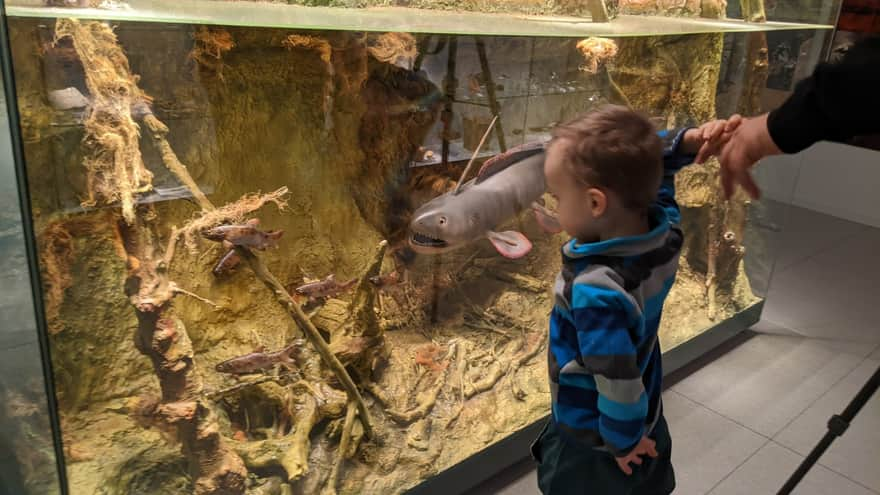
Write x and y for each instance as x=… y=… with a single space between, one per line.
x=175 y=366
x=665 y=17
x=27 y=454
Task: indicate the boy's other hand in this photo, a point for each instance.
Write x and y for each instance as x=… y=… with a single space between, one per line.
x=708 y=139
x=645 y=446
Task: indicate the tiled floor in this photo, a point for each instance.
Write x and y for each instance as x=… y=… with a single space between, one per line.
x=744 y=421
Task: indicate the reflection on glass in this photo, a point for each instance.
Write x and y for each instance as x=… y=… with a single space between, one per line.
x=27 y=456
x=158 y=152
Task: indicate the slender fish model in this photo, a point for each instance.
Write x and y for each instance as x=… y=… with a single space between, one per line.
x=246 y=234
x=259 y=361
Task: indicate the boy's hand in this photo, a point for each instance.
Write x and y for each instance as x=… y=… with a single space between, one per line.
x=708 y=139
x=645 y=446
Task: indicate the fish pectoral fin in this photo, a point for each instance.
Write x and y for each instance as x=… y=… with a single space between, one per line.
x=228 y=245
x=510 y=243
x=546 y=220
x=253 y=222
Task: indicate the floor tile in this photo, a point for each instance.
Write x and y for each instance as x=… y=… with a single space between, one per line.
x=706 y=446
x=768 y=469
x=519 y=479
x=856 y=348
x=805 y=233
x=856 y=454
x=768 y=380
x=832 y=294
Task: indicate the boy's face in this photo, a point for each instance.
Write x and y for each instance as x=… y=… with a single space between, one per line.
x=580 y=206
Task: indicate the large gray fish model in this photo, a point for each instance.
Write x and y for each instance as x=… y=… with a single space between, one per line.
x=507 y=184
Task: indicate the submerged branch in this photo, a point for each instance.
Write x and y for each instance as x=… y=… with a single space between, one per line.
x=158 y=131
x=315 y=337
x=178 y=290
x=344 y=441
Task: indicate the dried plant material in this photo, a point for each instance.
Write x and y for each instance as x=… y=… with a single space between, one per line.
x=231 y=213
x=596 y=51
x=210 y=44
x=325 y=51
x=393 y=48
x=115 y=169
x=56 y=254
x=320 y=45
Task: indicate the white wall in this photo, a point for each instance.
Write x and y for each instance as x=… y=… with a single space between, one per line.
x=836 y=179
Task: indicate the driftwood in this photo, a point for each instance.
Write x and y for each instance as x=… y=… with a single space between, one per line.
x=315 y=338
x=427 y=398
x=344 y=441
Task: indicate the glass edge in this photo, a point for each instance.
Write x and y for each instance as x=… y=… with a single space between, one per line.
x=30 y=246
x=733 y=25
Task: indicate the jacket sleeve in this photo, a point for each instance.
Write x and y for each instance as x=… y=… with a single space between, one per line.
x=837 y=102
x=673 y=161
x=602 y=317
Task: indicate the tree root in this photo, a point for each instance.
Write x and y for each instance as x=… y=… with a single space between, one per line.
x=725 y=255
x=495 y=373
x=315 y=337
x=295 y=459
x=344 y=442
x=178 y=290
x=521 y=361
x=427 y=398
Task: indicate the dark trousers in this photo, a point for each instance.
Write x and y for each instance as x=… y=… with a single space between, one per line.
x=566 y=468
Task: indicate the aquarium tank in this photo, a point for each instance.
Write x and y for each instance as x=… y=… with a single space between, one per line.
x=238 y=290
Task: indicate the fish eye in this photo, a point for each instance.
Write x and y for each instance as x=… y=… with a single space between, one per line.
x=442 y=220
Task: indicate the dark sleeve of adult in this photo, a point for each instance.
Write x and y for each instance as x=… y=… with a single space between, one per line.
x=839 y=101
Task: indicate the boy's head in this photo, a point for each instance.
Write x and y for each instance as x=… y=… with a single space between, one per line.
x=604 y=168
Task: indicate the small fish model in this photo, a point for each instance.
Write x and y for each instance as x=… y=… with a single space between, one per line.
x=259 y=361
x=506 y=184
x=384 y=282
x=328 y=287
x=245 y=234
x=227 y=264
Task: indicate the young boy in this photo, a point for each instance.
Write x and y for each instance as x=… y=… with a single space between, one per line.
x=605 y=170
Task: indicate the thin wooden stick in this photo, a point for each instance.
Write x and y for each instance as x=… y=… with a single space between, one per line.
x=316 y=339
x=474 y=156
x=178 y=290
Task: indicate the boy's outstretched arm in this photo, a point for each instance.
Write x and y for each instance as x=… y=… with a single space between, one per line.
x=676 y=154
x=686 y=146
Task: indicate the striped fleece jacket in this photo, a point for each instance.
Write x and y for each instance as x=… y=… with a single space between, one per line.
x=604 y=358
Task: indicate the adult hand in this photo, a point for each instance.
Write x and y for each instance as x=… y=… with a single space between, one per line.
x=749 y=143
x=711 y=136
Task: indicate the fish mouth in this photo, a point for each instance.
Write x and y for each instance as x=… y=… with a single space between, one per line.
x=418 y=239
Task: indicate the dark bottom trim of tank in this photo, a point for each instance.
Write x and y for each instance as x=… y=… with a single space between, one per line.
x=515 y=448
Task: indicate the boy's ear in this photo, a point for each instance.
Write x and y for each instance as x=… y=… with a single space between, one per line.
x=597 y=201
